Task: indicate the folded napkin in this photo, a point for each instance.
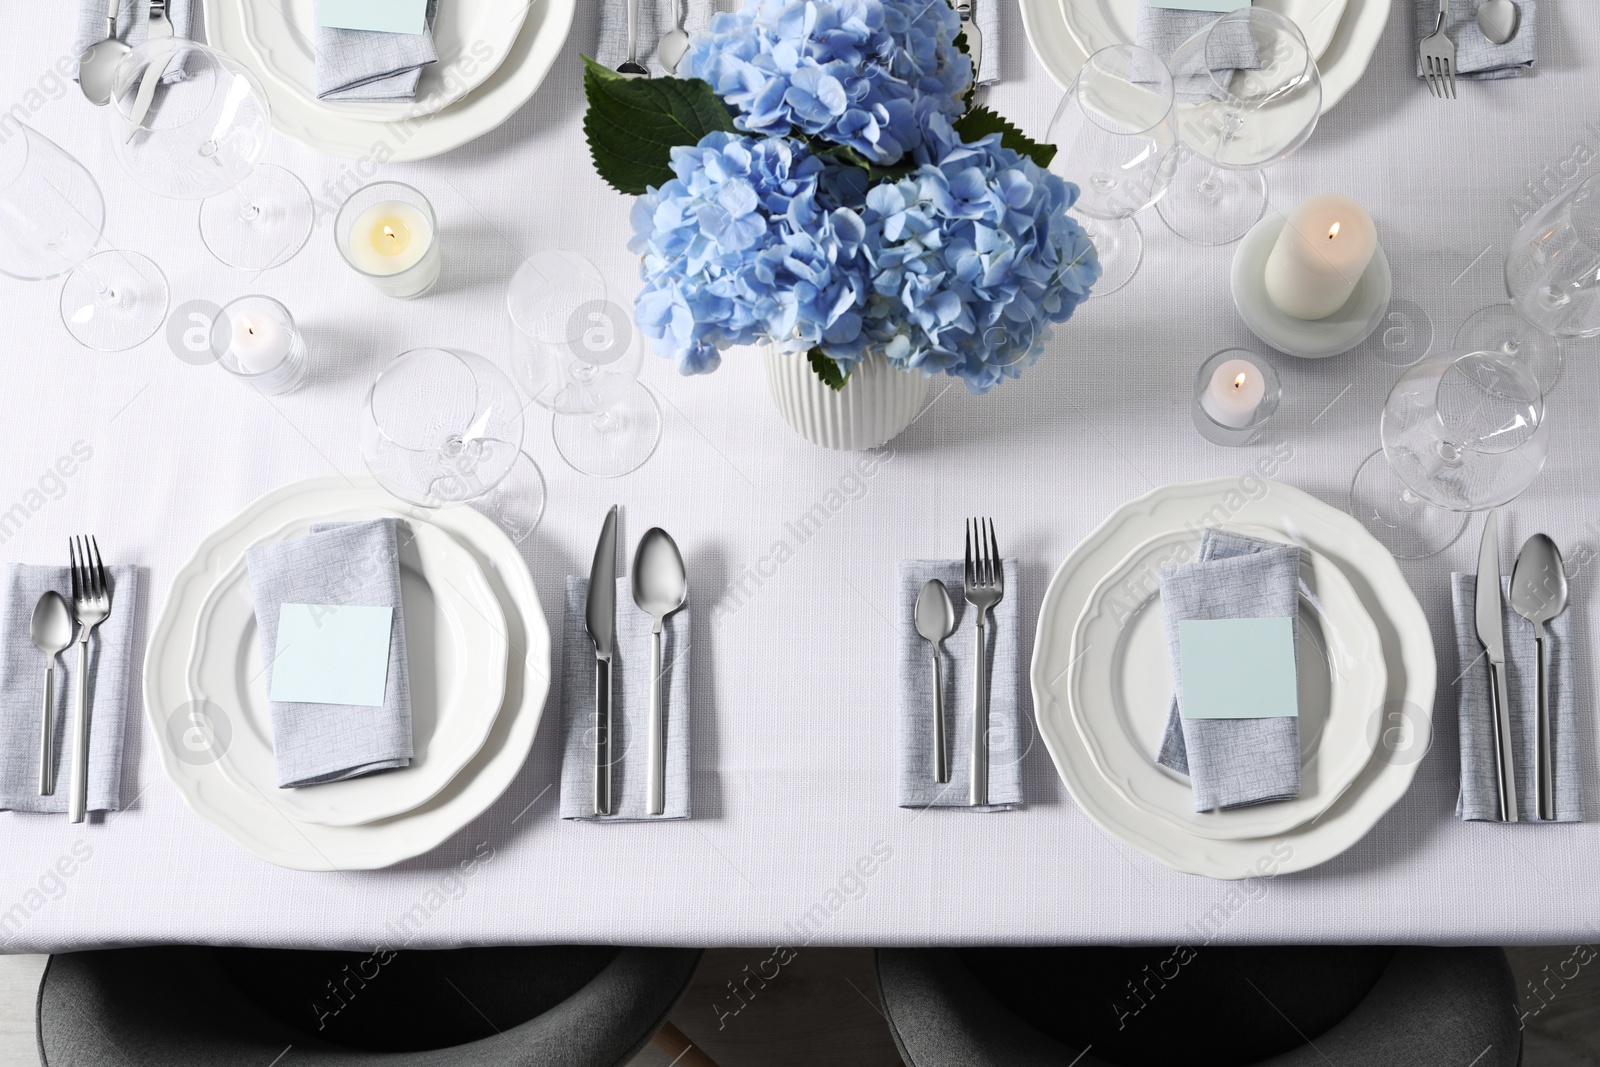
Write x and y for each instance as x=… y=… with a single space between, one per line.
x=1163 y=29
x=630 y=709
x=354 y=563
x=1231 y=762
x=133 y=16
x=22 y=690
x=1475 y=56
x=366 y=65
x=1480 y=780
x=1006 y=728
x=656 y=18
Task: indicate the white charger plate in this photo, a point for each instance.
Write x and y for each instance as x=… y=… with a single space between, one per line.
x=1097 y=24
x=472 y=38
x=252 y=822
x=1301 y=518
x=1341 y=65
x=326 y=129
x=1120 y=688
x=456 y=659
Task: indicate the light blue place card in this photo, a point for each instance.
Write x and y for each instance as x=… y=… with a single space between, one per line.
x=331 y=654
x=1237 y=668
x=1219 y=6
x=385 y=16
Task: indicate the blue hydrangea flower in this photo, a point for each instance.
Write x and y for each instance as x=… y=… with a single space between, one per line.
x=862 y=73
x=738 y=249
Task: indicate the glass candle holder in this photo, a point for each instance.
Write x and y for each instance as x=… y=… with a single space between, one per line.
x=387 y=232
x=255 y=339
x=1235 y=393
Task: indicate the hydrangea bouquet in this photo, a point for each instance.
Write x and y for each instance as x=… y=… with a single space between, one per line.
x=822 y=182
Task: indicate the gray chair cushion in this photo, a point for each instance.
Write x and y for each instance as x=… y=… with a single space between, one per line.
x=166 y=1007
x=1431 y=1008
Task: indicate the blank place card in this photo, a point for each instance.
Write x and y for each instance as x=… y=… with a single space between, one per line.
x=385 y=16
x=1237 y=668
x=331 y=654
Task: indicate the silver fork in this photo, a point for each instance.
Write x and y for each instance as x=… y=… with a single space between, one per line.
x=91 y=603
x=985 y=586
x=1438 y=53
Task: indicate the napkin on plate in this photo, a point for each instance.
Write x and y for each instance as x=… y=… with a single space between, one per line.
x=1232 y=762
x=1163 y=29
x=1475 y=56
x=22 y=690
x=1006 y=728
x=630 y=709
x=366 y=65
x=133 y=16
x=656 y=18
x=1480 y=786
x=355 y=563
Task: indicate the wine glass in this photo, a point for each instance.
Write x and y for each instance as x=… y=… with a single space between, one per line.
x=574 y=351
x=1461 y=434
x=1116 y=140
x=442 y=428
x=51 y=219
x=1248 y=94
x=202 y=138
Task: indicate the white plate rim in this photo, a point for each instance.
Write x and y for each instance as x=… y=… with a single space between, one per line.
x=1112 y=35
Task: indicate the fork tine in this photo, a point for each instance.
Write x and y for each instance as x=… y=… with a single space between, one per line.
x=1431 y=71
x=971 y=574
x=72 y=554
x=994 y=553
x=99 y=570
x=985 y=568
x=1450 y=72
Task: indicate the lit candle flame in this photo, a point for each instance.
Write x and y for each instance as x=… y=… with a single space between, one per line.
x=388 y=231
x=1333 y=231
x=249 y=328
x=1238 y=383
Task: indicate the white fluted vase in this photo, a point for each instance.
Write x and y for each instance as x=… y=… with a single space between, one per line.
x=876 y=403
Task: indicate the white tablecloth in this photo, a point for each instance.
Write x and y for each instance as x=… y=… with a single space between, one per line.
x=794 y=759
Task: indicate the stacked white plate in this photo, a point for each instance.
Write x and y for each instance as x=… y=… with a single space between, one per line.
x=478 y=650
x=493 y=54
x=1342 y=34
x=1102 y=683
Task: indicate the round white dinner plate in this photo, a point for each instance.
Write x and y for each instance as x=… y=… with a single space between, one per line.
x=1296 y=516
x=1341 y=65
x=456 y=659
x=253 y=822
x=1120 y=688
x=1097 y=24
x=472 y=38
x=324 y=128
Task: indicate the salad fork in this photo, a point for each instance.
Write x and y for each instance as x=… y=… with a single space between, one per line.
x=1438 y=54
x=985 y=586
x=91 y=603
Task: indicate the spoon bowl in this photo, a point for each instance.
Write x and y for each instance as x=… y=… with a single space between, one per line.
x=97 y=69
x=1498 y=20
x=672 y=47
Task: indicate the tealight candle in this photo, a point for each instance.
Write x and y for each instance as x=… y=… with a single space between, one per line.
x=1326 y=244
x=386 y=232
x=255 y=339
x=1235 y=393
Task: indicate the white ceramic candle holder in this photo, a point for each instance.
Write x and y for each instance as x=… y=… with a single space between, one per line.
x=1230 y=425
x=1308 y=339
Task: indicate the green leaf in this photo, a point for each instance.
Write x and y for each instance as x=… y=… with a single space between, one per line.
x=980 y=122
x=827 y=370
x=633 y=124
x=876 y=172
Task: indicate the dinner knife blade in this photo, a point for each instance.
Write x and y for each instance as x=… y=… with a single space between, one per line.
x=1491 y=628
x=600 y=619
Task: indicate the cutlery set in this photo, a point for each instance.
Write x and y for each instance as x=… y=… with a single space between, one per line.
x=1498 y=21
x=52 y=634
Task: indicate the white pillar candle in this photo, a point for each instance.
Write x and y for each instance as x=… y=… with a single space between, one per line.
x=258 y=341
x=1324 y=249
x=387 y=232
x=1235 y=392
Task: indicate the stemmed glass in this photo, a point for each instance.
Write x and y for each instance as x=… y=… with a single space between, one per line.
x=1461 y=434
x=442 y=428
x=1248 y=94
x=1116 y=140
x=202 y=137
x=51 y=218
x=1553 y=279
x=573 y=351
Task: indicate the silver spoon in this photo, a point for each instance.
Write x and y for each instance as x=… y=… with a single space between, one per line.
x=936 y=620
x=660 y=587
x=1498 y=19
x=1539 y=594
x=97 y=67
x=674 y=44
x=631 y=66
x=51 y=630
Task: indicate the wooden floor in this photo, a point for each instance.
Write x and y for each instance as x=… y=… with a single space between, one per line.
x=822 y=1008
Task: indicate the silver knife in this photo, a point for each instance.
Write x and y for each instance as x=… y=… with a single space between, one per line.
x=1491 y=631
x=600 y=618
x=159 y=29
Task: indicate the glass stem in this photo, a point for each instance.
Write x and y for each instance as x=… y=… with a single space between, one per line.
x=104 y=294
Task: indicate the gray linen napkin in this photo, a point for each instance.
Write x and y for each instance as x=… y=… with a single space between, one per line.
x=1163 y=29
x=1480 y=788
x=364 y=65
x=656 y=17
x=630 y=709
x=1232 y=762
x=1006 y=733
x=21 y=690
x=354 y=563
x=133 y=16
x=1475 y=56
